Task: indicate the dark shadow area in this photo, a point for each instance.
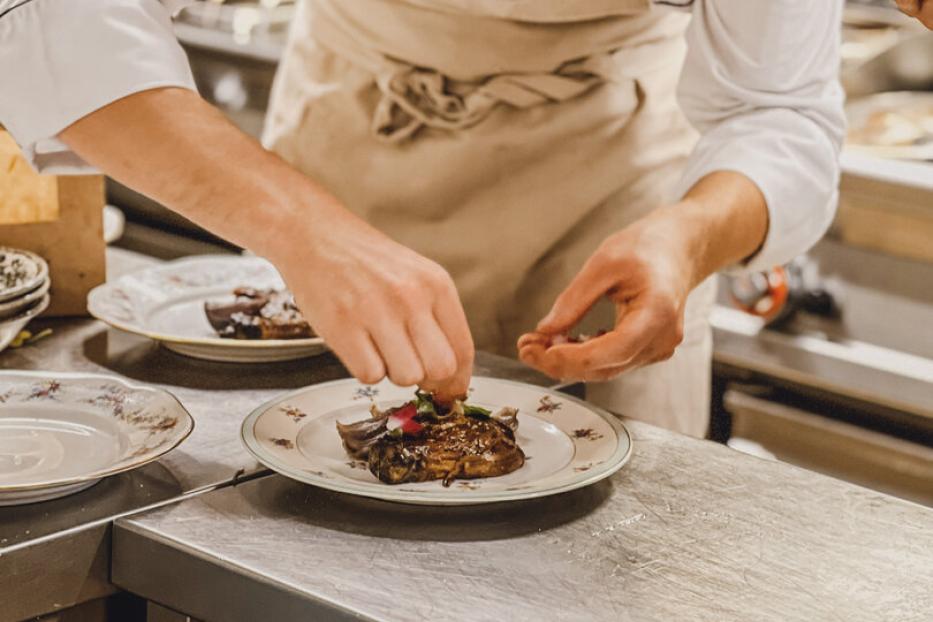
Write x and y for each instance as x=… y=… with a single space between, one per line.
x=278 y=496
x=146 y=361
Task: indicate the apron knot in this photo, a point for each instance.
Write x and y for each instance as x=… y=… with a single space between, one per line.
x=415 y=97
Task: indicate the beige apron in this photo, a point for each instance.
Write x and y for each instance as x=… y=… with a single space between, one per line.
x=504 y=139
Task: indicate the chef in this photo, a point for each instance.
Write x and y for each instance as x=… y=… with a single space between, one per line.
x=444 y=174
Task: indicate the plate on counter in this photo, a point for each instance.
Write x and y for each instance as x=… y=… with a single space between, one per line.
x=567 y=443
x=63 y=432
x=166 y=303
x=10 y=327
x=20 y=272
x=895 y=125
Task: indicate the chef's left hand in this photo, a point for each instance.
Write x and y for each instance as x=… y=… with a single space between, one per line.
x=921 y=9
x=646 y=270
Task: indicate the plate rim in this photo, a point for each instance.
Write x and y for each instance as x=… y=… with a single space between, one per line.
x=394 y=495
x=25 y=301
x=219 y=342
x=30 y=285
x=101 y=473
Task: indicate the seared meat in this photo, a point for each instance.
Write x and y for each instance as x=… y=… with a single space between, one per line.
x=413 y=444
x=258 y=314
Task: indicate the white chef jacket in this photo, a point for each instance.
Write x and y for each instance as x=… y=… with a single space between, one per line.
x=759 y=83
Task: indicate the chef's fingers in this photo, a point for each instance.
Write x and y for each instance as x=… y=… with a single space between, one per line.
x=533 y=338
x=452 y=320
x=356 y=350
x=590 y=284
x=402 y=362
x=437 y=356
x=619 y=347
x=926 y=13
x=910 y=7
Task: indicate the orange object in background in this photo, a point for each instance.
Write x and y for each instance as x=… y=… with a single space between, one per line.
x=59 y=218
x=763 y=294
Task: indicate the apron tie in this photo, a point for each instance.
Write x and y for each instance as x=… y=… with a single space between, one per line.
x=415 y=97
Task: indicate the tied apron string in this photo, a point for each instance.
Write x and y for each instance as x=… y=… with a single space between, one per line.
x=416 y=97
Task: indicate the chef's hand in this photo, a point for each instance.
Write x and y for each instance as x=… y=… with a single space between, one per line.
x=648 y=269
x=921 y=9
x=383 y=309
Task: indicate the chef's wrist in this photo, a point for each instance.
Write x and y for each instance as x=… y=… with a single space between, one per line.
x=722 y=221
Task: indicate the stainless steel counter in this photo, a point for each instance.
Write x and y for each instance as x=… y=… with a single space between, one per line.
x=688 y=530
x=56 y=554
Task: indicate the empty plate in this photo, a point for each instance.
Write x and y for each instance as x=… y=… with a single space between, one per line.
x=61 y=432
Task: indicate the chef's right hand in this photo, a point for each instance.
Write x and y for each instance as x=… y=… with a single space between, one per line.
x=384 y=309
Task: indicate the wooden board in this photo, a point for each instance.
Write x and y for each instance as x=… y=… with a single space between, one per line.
x=61 y=219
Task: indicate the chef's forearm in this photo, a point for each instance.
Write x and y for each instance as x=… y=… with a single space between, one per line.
x=723 y=220
x=174 y=147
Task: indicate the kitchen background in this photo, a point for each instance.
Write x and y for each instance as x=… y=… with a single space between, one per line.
x=841 y=378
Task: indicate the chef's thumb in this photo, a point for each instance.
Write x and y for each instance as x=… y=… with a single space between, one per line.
x=573 y=303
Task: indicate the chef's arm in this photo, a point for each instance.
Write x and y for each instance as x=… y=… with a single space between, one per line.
x=104 y=85
x=383 y=309
x=760 y=83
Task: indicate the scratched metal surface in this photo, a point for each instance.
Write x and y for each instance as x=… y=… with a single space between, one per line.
x=688 y=530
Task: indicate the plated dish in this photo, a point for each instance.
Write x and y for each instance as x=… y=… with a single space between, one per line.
x=423 y=440
x=565 y=443
x=167 y=303
x=63 y=432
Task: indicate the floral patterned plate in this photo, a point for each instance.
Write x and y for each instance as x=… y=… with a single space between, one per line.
x=568 y=443
x=166 y=303
x=61 y=433
x=20 y=272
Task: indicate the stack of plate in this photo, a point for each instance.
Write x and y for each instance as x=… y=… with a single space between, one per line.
x=24 y=291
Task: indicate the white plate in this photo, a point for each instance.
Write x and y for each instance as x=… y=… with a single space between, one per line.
x=10 y=327
x=166 y=303
x=114 y=223
x=20 y=272
x=909 y=135
x=16 y=306
x=568 y=443
x=61 y=432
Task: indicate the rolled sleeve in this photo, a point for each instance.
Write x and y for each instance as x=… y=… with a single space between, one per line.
x=61 y=60
x=760 y=84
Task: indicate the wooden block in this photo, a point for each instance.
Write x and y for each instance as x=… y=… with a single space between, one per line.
x=61 y=219
x=25 y=196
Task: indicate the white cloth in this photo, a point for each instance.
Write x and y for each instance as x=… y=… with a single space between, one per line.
x=63 y=59
x=759 y=83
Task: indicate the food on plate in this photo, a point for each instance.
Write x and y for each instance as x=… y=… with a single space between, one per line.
x=426 y=440
x=258 y=314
